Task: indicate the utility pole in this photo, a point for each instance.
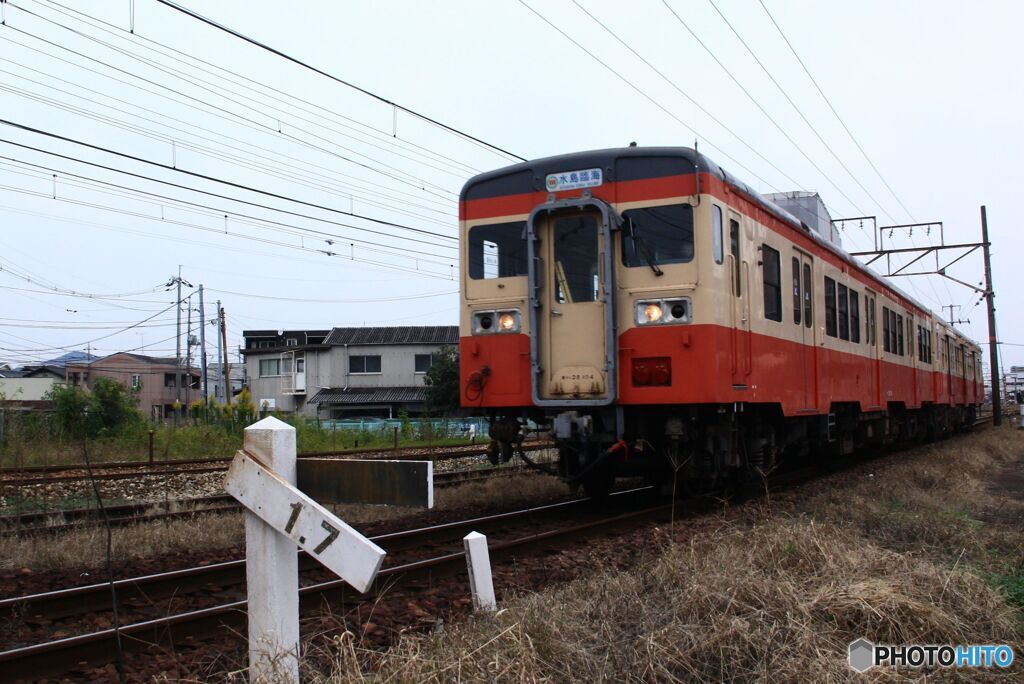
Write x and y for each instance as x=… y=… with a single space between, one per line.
x=202 y=348
x=177 y=355
x=188 y=360
x=219 y=356
x=227 y=372
x=993 y=339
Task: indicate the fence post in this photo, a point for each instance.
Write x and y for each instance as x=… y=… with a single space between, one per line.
x=395 y=429
x=479 y=562
x=272 y=567
x=150 y=447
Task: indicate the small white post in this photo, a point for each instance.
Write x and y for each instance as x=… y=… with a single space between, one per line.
x=272 y=567
x=479 y=562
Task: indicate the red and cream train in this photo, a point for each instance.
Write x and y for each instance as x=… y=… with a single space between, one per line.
x=653 y=312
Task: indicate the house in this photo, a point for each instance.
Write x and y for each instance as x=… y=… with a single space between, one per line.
x=29 y=386
x=343 y=372
x=159 y=381
x=215 y=379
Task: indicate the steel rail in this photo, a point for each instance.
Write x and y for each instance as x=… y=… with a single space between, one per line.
x=133 y=514
x=90 y=598
x=446 y=453
x=141 y=469
x=80 y=652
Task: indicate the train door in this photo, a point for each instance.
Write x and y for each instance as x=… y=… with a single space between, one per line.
x=950 y=363
x=913 y=352
x=572 y=286
x=803 y=315
x=871 y=337
x=740 y=309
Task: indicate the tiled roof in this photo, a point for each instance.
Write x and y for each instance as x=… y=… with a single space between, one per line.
x=430 y=334
x=370 y=395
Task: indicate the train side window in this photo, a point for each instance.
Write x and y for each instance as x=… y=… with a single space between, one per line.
x=871 y=320
x=893 y=335
x=844 y=312
x=808 y=298
x=797 y=304
x=497 y=251
x=885 y=330
x=716 y=233
x=734 y=249
x=830 y=307
x=899 y=334
x=662 y=235
x=772 y=269
x=854 y=316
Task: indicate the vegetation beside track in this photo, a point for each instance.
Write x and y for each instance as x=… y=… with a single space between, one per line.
x=925 y=547
x=39 y=439
x=85 y=549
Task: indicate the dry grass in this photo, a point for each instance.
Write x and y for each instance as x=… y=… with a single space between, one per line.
x=86 y=547
x=897 y=557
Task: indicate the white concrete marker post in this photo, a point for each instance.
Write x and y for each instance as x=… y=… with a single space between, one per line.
x=479 y=562
x=262 y=477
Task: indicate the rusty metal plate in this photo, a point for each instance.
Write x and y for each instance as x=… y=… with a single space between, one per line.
x=361 y=481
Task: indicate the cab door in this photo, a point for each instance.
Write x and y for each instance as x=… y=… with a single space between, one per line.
x=572 y=316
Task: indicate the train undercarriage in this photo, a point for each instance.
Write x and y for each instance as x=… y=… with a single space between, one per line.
x=703 y=447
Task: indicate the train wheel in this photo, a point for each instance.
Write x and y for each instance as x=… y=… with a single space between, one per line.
x=599 y=480
x=494 y=452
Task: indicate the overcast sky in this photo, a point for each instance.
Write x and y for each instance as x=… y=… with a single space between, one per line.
x=929 y=91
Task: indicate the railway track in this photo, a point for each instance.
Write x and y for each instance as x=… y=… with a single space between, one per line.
x=122 y=515
x=97 y=648
x=81 y=652
x=42 y=475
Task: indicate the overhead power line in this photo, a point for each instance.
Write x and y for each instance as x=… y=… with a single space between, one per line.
x=364 y=91
x=796 y=108
x=645 y=95
x=215 y=180
x=760 y=108
x=90 y=183
x=839 y=118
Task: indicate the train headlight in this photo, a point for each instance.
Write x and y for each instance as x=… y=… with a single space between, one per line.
x=510 y=321
x=662 y=311
x=497 y=322
x=652 y=313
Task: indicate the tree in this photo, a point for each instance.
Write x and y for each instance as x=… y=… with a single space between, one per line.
x=109 y=407
x=442 y=380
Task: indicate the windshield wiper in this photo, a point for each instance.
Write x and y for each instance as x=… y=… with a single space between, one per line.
x=640 y=245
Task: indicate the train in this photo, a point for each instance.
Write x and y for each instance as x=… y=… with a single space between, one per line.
x=657 y=317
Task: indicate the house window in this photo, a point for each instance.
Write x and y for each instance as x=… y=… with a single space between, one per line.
x=772 y=283
x=270 y=367
x=364 y=364
x=170 y=379
x=854 y=316
x=716 y=232
x=830 y=308
x=136 y=382
x=291 y=342
x=264 y=344
x=424 y=362
x=844 y=312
